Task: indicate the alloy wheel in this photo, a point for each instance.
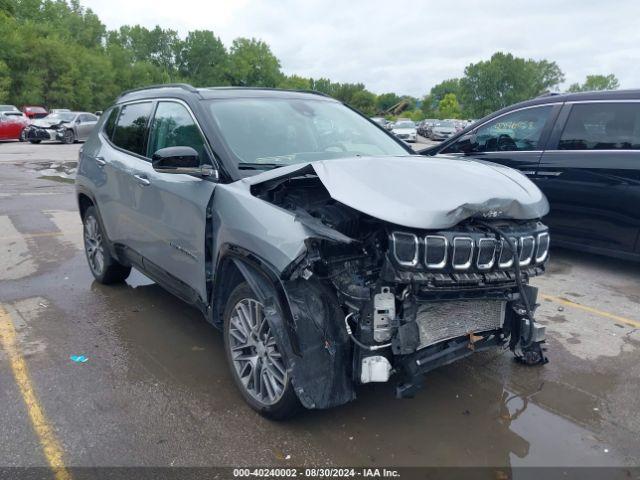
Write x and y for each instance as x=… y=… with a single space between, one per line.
x=256 y=358
x=93 y=244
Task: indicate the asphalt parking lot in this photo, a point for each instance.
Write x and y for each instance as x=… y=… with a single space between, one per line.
x=156 y=391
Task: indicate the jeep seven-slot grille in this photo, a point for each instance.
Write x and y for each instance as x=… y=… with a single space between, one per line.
x=460 y=252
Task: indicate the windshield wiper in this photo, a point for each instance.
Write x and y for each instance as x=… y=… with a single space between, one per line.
x=258 y=166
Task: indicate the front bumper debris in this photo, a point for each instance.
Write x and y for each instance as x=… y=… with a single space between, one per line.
x=39 y=133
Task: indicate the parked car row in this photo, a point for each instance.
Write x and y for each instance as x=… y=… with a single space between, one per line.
x=430 y=128
x=35 y=124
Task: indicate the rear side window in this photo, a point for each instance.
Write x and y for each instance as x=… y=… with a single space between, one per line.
x=86 y=117
x=111 y=122
x=131 y=127
x=602 y=126
x=173 y=126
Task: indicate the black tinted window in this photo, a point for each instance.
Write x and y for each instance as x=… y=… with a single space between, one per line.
x=111 y=122
x=173 y=126
x=602 y=126
x=131 y=127
x=517 y=131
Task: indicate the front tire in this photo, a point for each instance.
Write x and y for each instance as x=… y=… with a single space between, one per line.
x=69 y=137
x=257 y=364
x=35 y=142
x=104 y=267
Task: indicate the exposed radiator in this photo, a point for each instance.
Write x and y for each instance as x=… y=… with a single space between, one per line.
x=438 y=321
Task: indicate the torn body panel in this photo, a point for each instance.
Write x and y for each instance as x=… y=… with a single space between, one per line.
x=382 y=267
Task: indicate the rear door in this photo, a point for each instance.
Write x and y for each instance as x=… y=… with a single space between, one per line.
x=121 y=159
x=173 y=207
x=515 y=139
x=590 y=173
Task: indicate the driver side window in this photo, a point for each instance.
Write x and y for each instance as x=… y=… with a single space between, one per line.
x=518 y=131
x=173 y=126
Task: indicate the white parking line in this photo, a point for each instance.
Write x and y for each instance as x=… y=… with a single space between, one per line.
x=15 y=259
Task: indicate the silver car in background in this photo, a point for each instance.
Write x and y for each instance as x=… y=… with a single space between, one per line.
x=65 y=127
x=405 y=130
x=443 y=130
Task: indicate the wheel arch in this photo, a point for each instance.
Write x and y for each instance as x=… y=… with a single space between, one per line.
x=306 y=320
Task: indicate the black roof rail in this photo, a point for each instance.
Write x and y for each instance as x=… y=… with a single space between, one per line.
x=184 y=86
x=549 y=94
x=305 y=90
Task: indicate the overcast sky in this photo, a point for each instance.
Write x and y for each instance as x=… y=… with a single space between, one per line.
x=408 y=46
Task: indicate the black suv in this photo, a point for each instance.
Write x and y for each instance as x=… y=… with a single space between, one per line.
x=583 y=151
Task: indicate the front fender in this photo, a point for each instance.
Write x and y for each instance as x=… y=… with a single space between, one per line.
x=307 y=322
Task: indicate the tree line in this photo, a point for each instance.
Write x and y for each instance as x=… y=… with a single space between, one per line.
x=59 y=54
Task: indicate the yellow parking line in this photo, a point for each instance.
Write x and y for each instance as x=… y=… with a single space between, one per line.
x=595 y=311
x=49 y=443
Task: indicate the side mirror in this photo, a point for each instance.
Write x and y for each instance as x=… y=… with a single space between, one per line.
x=468 y=143
x=78 y=121
x=183 y=160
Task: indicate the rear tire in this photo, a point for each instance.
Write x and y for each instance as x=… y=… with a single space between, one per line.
x=257 y=364
x=35 y=142
x=104 y=267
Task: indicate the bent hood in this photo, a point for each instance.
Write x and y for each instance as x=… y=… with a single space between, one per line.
x=424 y=192
x=47 y=123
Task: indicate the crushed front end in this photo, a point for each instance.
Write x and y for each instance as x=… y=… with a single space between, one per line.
x=411 y=300
x=45 y=132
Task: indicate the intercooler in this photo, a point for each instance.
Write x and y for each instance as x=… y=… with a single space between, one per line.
x=438 y=321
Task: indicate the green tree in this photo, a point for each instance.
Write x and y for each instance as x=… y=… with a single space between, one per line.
x=596 y=82
x=365 y=101
x=5 y=82
x=503 y=80
x=7 y=7
x=203 y=59
x=431 y=101
x=251 y=63
x=387 y=100
x=449 y=107
x=295 y=82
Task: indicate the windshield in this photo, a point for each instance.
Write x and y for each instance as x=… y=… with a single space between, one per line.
x=270 y=132
x=405 y=125
x=7 y=108
x=446 y=124
x=60 y=117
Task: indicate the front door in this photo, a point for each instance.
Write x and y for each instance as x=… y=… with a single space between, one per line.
x=174 y=206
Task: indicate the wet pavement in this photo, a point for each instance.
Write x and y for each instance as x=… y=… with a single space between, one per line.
x=156 y=390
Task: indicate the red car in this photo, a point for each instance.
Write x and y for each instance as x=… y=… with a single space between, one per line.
x=12 y=123
x=33 y=111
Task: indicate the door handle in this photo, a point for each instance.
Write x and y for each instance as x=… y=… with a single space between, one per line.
x=142 y=180
x=100 y=161
x=549 y=173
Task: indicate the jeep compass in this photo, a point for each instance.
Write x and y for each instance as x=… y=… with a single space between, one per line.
x=328 y=253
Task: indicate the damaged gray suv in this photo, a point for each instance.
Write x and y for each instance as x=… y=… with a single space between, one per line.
x=326 y=251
